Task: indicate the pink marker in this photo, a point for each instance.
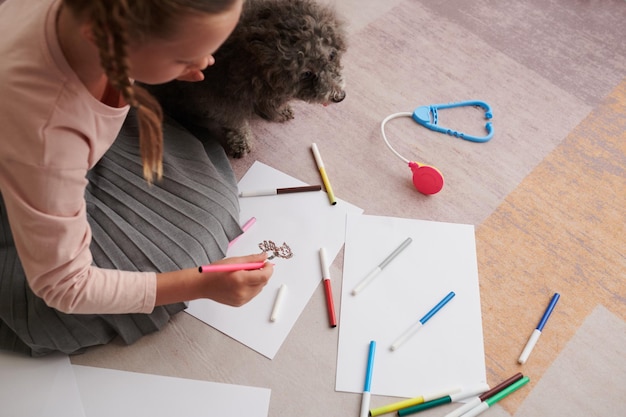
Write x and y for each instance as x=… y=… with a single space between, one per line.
x=249 y=266
x=245 y=228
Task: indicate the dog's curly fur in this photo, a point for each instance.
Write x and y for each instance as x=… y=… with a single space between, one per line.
x=281 y=50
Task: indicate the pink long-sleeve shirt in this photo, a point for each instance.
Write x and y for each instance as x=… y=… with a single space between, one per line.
x=52 y=131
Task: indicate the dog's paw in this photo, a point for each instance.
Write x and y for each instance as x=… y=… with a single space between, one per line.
x=272 y=113
x=285 y=114
x=238 y=142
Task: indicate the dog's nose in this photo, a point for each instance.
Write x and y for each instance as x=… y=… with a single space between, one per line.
x=339 y=96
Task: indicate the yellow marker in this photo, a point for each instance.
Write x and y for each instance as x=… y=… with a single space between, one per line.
x=412 y=401
x=320 y=166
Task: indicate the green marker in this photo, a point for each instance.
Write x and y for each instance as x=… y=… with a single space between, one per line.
x=492 y=400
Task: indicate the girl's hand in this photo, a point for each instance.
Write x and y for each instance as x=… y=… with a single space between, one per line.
x=231 y=288
x=238 y=287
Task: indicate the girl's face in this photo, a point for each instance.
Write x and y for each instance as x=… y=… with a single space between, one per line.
x=187 y=52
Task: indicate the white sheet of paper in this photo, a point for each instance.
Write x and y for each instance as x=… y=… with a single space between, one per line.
x=38 y=387
x=108 y=392
x=448 y=350
x=305 y=222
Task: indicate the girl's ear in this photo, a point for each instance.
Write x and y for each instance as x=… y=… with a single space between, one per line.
x=86 y=31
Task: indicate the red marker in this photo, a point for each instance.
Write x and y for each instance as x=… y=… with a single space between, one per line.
x=332 y=319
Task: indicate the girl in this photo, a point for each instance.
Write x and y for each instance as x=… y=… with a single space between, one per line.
x=84 y=240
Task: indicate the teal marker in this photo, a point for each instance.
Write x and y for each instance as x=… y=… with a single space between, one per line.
x=424 y=406
x=458 y=396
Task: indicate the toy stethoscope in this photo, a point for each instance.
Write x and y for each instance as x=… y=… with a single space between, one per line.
x=428 y=179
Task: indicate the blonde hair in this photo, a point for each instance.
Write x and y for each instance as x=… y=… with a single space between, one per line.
x=114 y=22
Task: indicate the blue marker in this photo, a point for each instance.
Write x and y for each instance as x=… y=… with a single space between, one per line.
x=365 y=402
x=537 y=332
x=411 y=331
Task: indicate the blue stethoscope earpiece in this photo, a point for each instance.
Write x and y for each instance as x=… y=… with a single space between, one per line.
x=427 y=179
x=428 y=117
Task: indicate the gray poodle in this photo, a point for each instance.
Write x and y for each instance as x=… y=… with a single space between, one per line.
x=281 y=50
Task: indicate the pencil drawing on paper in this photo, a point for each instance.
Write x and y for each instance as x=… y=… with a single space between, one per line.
x=282 y=251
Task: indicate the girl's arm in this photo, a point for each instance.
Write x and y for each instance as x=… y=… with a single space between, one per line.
x=230 y=288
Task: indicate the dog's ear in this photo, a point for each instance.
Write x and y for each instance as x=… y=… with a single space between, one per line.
x=276 y=64
x=265 y=13
x=332 y=30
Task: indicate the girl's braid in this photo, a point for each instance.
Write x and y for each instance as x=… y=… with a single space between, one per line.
x=111 y=35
